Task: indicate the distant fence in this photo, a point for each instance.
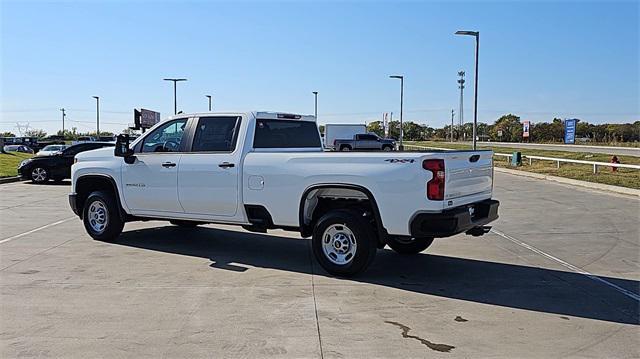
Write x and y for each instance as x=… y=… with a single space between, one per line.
x=594 y=164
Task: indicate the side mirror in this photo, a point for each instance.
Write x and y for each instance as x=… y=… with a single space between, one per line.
x=122 y=149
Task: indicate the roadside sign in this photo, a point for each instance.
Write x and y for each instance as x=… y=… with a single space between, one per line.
x=525 y=129
x=145 y=118
x=500 y=133
x=570 y=130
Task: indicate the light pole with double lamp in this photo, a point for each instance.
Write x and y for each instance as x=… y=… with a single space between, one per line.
x=401 y=147
x=476 y=34
x=175 y=101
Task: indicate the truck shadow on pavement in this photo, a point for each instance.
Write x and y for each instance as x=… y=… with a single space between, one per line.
x=508 y=285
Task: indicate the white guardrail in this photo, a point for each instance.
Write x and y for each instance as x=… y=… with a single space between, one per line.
x=594 y=164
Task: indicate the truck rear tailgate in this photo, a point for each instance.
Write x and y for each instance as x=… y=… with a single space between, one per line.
x=469 y=177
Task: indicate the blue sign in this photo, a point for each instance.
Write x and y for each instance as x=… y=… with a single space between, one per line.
x=570 y=130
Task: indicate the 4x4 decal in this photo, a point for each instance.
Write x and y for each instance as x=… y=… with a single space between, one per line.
x=400 y=160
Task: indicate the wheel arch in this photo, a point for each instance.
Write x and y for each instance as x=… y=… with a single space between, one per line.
x=88 y=183
x=307 y=228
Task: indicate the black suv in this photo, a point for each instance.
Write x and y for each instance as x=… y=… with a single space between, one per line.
x=56 y=167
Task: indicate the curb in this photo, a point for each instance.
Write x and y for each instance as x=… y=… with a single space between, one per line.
x=591 y=185
x=10 y=179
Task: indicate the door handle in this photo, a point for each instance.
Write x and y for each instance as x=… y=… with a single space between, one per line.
x=168 y=164
x=226 y=165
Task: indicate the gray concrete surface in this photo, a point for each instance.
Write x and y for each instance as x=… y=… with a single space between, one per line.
x=620 y=151
x=217 y=291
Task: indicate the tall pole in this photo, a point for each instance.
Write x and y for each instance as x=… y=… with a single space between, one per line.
x=451 y=129
x=97 y=116
x=401 y=147
x=476 y=34
x=175 y=96
x=461 y=112
x=209 y=97
x=315 y=111
x=63 y=116
x=475 y=93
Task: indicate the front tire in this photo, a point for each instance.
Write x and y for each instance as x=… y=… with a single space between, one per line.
x=404 y=245
x=101 y=216
x=39 y=175
x=344 y=242
x=387 y=148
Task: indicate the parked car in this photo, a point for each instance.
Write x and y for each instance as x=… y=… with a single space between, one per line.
x=365 y=142
x=57 y=167
x=18 y=148
x=265 y=170
x=51 y=150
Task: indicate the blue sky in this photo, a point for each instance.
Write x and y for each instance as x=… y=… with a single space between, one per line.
x=537 y=59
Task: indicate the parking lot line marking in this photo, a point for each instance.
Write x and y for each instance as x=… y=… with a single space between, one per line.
x=568 y=265
x=36 y=229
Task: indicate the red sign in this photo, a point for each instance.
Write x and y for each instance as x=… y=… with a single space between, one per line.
x=525 y=129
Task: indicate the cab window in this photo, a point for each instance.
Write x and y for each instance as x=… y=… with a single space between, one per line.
x=166 y=138
x=216 y=134
x=286 y=134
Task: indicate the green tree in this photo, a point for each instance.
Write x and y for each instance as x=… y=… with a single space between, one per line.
x=35 y=132
x=510 y=126
x=7 y=134
x=376 y=127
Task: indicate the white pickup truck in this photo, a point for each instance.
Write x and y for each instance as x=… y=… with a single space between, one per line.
x=265 y=170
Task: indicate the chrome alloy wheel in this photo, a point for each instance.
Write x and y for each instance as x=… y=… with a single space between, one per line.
x=98 y=216
x=39 y=174
x=339 y=244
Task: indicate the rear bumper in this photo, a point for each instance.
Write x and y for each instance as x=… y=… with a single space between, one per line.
x=454 y=221
x=73 y=203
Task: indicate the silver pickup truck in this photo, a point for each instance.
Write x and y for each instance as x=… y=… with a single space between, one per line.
x=365 y=142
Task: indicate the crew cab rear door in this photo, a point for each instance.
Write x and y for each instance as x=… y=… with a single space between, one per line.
x=209 y=169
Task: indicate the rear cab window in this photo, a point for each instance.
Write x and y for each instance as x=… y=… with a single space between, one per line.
x=286 y=134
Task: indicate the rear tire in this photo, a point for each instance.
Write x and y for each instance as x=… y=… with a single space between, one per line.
x=404 y=245
x=101 y=216
x=345 y=148
x=344 y=242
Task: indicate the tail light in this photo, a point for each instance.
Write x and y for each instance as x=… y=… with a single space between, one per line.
x=334 y=142
x=435 y=186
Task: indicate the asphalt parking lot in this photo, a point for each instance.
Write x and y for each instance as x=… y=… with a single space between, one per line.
x=559 y=277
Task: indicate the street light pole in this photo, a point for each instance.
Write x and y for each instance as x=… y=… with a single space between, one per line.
x=476 y=34
x=401 y=147
x=315 y=112
x=209 y=97
x=63 y=116
x=461 y=111
x=97 y=117
x=451 y=129
x=175 y=100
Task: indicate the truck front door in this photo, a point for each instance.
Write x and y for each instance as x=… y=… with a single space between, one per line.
x=150 y=183
x=208 y=171
x=367 y=142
